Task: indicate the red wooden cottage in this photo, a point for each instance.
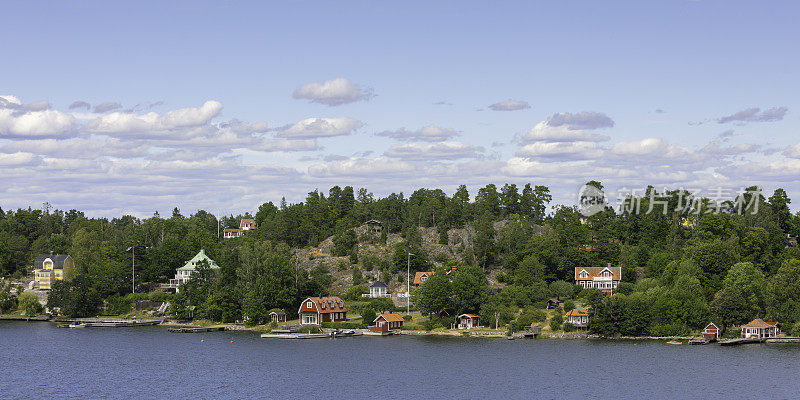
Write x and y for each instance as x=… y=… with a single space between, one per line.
x=387 y=322
x=758 y=329
x=711 y=332
x=468 y=321
x=316 y=310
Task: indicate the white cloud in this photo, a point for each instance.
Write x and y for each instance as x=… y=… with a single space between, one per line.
x=434 y=151
x=18 y=159
x=510 y=105
x=755 y=114
x=311 y=128
x=334 y=92
x=151 y=124
x=792 y=151
x=430 y=133
x=561 y=150
x=543 y=131
x=585 y=120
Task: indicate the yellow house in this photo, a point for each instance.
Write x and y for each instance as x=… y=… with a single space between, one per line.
x=48 y=268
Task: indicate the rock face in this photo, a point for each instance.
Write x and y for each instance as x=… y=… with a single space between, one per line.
x=371 y=253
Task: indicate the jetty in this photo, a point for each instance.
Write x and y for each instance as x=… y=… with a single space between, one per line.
x=196 y=330
x=113 y=323
x=736 y=342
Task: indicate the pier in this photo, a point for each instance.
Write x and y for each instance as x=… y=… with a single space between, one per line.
x=197 y=330
x=736 y=342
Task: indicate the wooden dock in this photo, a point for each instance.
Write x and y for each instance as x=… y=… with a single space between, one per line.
x=736 y=342
x=197 y=330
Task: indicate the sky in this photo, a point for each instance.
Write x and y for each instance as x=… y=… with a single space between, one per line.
x=134 y=107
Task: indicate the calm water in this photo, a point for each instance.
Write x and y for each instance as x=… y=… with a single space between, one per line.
x=39 y=360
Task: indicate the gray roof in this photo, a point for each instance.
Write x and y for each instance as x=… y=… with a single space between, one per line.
x=378 y=284
x=58 y=260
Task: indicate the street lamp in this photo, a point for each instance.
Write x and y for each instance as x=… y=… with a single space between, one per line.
x=408 y=283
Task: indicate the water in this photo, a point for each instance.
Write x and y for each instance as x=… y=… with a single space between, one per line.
x=37 y=360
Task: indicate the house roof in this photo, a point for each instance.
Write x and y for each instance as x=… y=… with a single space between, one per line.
x=331 y=304
x=280 y=312
x=58 y=260
x=468 y=315
x=191 y=265
x=374 y=222
x=759 y=323
x=390 y=317
x=377 y=284
x=231 y=230
x=712 y=324
x=616 y=272
x=246 y=220
x=418 y=276
x=578 y=312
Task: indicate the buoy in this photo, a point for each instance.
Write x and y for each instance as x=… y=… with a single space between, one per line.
x=231 y=341
x=201 y=340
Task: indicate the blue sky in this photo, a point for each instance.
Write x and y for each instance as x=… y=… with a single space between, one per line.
x=666 y=74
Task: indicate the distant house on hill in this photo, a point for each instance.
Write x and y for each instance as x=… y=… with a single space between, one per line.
x=48 y=268
x=374 y=225
x=376 y=290
x=421 y=277
x=316 y=310
x=247 y=224
x=604 y=278
x=553 y=303
x=231 y=233
x=758 y=329
x=184 y=273
x=387 y=322
x=578 y=317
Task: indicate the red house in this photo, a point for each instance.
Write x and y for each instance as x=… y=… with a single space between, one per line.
x=230 y=233
x=316 y=310
x=578 y=317
x=247 y=224
x=387 y=322
x=758 y=329
x=468 y=321
x=711 y=332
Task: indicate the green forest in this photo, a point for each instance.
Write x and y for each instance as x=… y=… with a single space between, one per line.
x=681 y=267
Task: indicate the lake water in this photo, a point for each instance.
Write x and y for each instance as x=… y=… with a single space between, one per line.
x=38 y=360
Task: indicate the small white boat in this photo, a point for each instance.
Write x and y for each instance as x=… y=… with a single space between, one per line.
x=76 y=324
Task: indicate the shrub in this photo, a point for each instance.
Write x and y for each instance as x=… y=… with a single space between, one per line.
x=569 y=305
x=562 y=289
x=358 y=278
x=354 y=293
x=367 y=316
x=29 y=303
x=568 y=327
x=342 y=325
x=796 y=329
x=407 y=318
x=555 y=323
x=308 y=329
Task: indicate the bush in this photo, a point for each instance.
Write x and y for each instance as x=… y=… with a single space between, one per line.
x=555 y=323
x=354 y=293
x=358 y=278
x=568 y=327
x=432 y=324
x=528 y=317
x=562 y=289
x=116 y=305
x=569 y=305
x=308 y=329
x=674 y=329
x=407 y=318
x=367 y=316
x=29 y=303
x=341 y=325
x=796 y=329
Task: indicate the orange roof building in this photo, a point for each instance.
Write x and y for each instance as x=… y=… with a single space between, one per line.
x=421 y=277
x=603 y=278
x=758 y=329
x=387 y=322
x=578 y=317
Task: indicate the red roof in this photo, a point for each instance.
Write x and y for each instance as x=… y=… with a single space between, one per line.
x=390 y=317
x=324 y=305
x=578 y=312
x=418 y=276
x=759 y=323
x=616 y=272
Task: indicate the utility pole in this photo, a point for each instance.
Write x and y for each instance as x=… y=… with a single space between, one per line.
x=133 y=268
x=408 y=283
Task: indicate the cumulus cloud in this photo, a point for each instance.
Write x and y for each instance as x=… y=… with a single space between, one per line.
x=755 y=114
x=80 y=104
x=35 y=119
x=153 y=124
x=561 y=150
x=334 y=92
x=430 y=133
x=311 y=128
x=510 y=105
x=792 y=151
x=106 y=107
x=18 y=159
x=434 y=151
x=544 y=131
x=585 y=120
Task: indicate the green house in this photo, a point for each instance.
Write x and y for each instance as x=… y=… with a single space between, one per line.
x=185 y=272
